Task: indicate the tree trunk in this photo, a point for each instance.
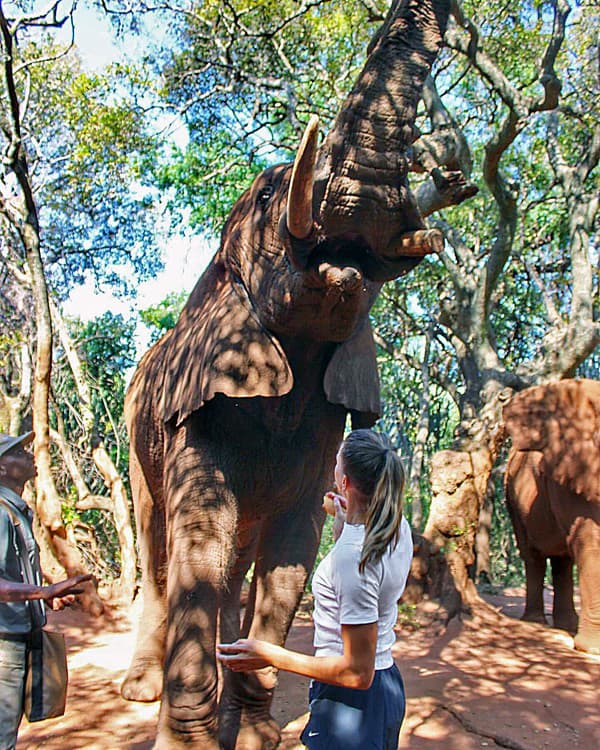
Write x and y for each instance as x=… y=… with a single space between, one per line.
x=12 y=408
x=459 y=484
x=119 y=505
x=418 y=454
x=48 y=504
x=21 y=211
x=120 y=512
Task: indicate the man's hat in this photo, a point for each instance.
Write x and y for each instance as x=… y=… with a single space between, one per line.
x=10 y=441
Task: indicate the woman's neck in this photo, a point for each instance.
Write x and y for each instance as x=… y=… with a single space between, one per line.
x=356 y=512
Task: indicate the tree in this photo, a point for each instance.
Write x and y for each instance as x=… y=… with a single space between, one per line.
x=518 y=296
x=245 y=77
x=71 y=153
x=163 y=316
x=15 y=358
x=98 y=384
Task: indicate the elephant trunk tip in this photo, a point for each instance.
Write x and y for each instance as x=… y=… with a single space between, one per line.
x=416 y=244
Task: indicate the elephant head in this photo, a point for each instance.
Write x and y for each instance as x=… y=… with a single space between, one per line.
x=305 y=250
x=562 y=421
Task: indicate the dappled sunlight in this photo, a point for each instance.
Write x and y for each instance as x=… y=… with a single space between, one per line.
x=96 y=718
x=493 y=679
x=484 y=679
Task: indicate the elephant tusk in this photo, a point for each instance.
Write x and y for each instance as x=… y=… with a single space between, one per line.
x=299 y=206
x=415 y=244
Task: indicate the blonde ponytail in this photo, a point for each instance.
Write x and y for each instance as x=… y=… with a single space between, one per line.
x=376 y=471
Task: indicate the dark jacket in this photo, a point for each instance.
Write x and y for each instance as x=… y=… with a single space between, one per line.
x=18 y=618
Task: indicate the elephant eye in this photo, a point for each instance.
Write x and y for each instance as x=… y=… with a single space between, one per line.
x=264 y=195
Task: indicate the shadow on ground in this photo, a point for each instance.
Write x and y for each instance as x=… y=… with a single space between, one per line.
x=486 y=681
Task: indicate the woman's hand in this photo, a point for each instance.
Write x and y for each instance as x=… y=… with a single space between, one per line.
x=336 y=506
x=245 y=654
x=354 y=668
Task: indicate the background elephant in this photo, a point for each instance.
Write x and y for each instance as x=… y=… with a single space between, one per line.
x=236 y=414
x=552 y=488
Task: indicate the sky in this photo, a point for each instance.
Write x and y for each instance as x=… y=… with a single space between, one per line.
x=184 y=257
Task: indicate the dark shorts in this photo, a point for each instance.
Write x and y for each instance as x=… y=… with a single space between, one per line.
x=348 y=719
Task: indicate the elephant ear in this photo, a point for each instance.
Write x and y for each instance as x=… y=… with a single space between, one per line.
x=220 y=346
x=351 y=378
x=562 y=421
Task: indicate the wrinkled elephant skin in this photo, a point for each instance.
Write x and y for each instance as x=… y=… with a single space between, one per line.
x=552 y=488
x=236 y=414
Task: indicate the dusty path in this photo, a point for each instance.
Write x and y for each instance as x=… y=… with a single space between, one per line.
x=490 y=681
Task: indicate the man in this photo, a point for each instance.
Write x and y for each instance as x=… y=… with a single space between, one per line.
x=21 y=603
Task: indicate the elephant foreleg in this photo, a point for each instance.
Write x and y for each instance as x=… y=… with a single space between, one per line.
x=144 y=678
x=563 y=609
x=535 y=569
x=201 y=524
x=586 y=548
x=230 y=603
x=285 y=557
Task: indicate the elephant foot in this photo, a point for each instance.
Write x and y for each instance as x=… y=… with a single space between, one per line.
x=144 y=680
x=568 y=623
x=241 y=732
x=167 y=740
x=588 y=643
x=538 y=617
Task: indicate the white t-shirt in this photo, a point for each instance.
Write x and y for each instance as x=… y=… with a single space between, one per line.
x=343 y=596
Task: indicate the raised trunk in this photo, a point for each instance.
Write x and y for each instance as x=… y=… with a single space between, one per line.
x=361 y=188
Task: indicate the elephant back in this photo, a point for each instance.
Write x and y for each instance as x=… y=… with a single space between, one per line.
x=562 y=421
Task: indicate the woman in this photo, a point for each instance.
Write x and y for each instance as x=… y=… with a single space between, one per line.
x=356 y=694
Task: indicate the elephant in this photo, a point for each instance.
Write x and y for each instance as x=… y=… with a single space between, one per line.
x=236 y=414
x=552 y=488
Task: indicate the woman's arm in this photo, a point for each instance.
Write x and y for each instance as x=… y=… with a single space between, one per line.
x=354 y=669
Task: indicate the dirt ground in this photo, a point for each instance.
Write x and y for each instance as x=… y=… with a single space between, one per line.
x=485 y=681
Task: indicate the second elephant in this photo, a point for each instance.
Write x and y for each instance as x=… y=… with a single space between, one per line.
x=552 y=488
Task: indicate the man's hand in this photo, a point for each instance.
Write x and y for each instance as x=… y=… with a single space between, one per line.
x=62 y=594
x=63 y=591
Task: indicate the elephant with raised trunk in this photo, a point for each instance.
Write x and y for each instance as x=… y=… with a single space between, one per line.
x=236 y=414
x=552 y=485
